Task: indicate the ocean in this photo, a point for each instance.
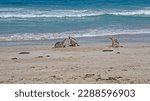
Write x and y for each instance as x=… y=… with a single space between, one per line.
x=37 y=21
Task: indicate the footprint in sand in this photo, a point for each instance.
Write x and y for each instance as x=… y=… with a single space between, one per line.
x=110 y=69
x=47 y=55
x=56 y=78
x=114 y=78
x=118 y=53
x=14 y=58
x=24 y=53
x=1 y=81
x=98 y=78
x=32 y=67
x=124 y=70
x=107 y=50
x=40 y=57
x=88 y=76
x=74 y=78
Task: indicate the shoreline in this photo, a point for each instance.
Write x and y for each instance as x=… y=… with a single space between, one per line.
x=124 y=38
x=83 y=64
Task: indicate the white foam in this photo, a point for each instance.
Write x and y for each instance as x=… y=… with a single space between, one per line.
x=26 y=13
x=30 y=13
x=81 y=33
x=133 y=13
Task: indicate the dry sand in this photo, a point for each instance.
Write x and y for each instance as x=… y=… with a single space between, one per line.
x=84 y=64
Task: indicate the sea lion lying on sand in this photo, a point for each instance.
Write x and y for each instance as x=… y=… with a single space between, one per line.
x=61 y=44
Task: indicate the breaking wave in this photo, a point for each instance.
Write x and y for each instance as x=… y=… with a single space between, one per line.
x=81 y=33
x=31 y=13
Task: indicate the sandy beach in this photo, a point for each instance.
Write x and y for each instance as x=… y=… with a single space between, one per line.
x=83 y=64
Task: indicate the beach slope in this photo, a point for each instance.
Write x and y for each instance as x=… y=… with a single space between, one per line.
x=84 y=64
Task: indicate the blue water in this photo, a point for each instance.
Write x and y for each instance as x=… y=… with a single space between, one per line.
x=54 y=19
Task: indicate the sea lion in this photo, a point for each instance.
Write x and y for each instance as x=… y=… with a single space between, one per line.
x=61 y=44
x=73 y=42
x=115 y=42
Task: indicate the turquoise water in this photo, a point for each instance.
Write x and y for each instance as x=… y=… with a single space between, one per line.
x=53 y=19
